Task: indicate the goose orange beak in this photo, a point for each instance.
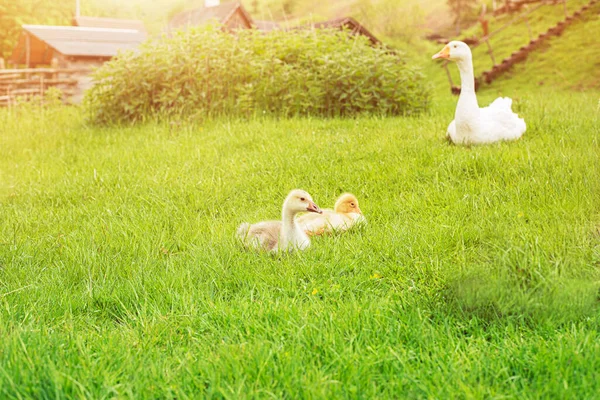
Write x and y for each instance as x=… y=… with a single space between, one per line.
x=358 y=210
x=444 y=53
x=312 y=207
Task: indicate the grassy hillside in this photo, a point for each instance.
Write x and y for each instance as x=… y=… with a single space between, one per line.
x=564 y=63
x=571 y=61
x=476 y=277
x=515 y=36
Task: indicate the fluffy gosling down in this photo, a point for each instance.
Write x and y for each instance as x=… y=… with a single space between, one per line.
x=345 y=214
x=284 y=235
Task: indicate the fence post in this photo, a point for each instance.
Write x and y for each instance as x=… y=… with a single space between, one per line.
x=490 y=51
x=42 y=89
x=528 y=28
x=27 y=50
x=2 y=65
x=448 y=74
x=565 y=7
x=54 y=66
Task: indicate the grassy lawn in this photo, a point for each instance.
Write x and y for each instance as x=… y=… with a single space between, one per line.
x=476 y=277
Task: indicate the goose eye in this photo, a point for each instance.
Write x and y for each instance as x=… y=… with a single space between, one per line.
x=302 y=199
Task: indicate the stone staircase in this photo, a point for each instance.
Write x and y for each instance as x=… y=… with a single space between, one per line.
x=521 y=54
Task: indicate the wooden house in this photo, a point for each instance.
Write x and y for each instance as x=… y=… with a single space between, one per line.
x=73 y=51
x=72 y=46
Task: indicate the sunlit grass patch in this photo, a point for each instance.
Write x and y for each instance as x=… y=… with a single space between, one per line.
x=477 y=274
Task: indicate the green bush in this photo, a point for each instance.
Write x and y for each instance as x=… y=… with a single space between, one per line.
x=205 y=71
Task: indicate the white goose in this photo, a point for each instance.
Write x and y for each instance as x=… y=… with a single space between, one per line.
x=284 y=235
x=474 y=125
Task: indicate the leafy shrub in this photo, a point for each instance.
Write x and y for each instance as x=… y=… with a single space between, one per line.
x=205 y=71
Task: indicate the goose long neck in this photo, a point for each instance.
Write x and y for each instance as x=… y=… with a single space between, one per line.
x=287 y=217
x=467 y=83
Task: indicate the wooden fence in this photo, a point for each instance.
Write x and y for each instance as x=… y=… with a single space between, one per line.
x=32 y=83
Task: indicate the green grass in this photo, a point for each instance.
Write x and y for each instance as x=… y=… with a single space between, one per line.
x=570 y=61
x=564 y=53
x=517 y=35
x=564 y=63
x=476 y=277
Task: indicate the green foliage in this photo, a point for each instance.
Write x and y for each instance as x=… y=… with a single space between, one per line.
x=386 y=19
x=476 y=277
x=463 y=11
x=53 y=97
x=288 y=6
x=13 y=14
x=206 y=71
x=30 y=104
x=285 y=10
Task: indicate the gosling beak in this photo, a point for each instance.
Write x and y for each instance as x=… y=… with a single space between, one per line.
x=312 y=207
x=444 y=53
x=358 y=210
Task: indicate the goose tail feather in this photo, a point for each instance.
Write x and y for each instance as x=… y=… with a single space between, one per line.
x=242 y=231
x=502 y=102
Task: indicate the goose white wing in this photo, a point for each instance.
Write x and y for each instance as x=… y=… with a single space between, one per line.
x=499 y=122
x=262 y=235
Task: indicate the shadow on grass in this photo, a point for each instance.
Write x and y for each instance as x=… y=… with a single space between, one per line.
x=521 y=295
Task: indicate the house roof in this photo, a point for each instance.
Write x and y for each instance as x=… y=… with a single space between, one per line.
x=73 y=41
x=95 y=22
x=199 y=16
x=347 y=23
